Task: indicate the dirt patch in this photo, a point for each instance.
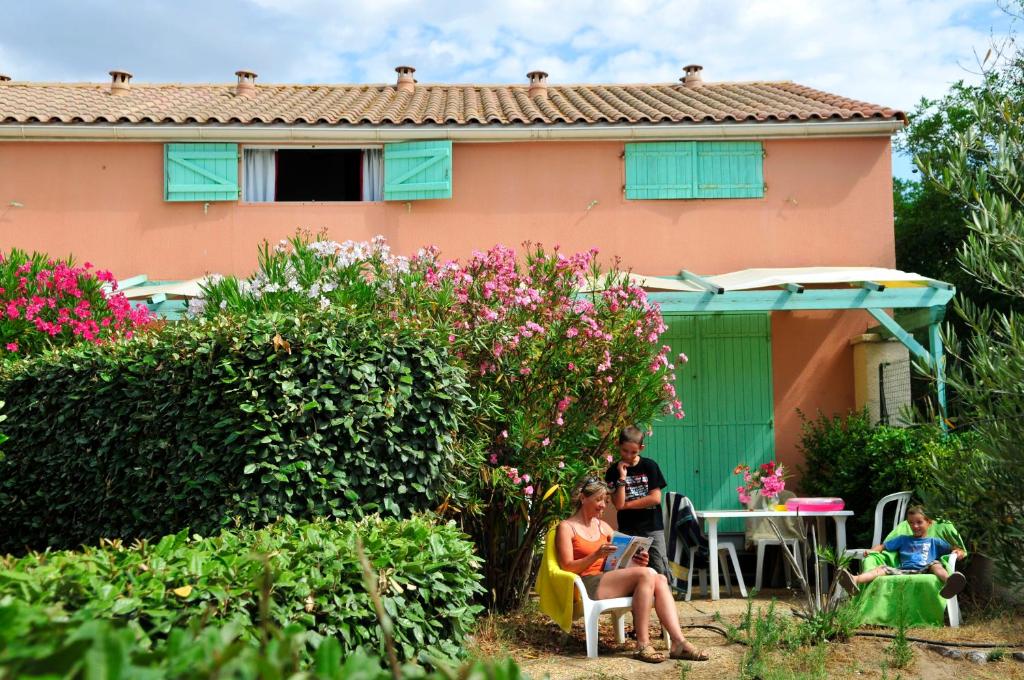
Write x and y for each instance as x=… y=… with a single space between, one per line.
x=543 y=650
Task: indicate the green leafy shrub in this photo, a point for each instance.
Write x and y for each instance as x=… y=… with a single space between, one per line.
x=848 y=457
x=100 y=649
x=248 y=418
x=427 y=579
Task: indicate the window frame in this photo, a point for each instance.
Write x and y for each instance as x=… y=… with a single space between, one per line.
x=288 y=147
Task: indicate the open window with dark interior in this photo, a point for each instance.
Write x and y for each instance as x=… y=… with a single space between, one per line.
x=314 y=175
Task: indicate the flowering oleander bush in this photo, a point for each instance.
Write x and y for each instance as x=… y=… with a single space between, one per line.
x=559 y=354
x=768 y=479
x=46 y=302
x=565 y=355
x=304 y=273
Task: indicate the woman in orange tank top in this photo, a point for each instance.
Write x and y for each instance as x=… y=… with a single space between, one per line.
x=584 y=540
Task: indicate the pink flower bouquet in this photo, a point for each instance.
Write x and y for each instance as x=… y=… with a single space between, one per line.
x=768 y=479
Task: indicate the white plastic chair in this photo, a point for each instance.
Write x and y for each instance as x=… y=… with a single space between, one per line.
x=953 y=604
x=592 y=610
x=759 y=538
x=723 y=547
x=902 y=500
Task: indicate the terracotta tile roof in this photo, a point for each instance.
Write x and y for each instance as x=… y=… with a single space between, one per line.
x=22 y=102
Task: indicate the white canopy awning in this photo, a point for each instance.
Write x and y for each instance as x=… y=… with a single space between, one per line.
x=745 y=279
x=751 y=279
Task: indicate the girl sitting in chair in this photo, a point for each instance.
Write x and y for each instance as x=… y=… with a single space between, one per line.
x=584 y=540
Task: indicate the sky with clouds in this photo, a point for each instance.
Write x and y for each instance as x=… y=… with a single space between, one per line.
x=891 y=52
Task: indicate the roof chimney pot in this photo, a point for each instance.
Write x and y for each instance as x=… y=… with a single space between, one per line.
x=246 y=86
x=119 y=82
x=538 y=83
x=693 y=77
x=4 y=78
x=406 y=83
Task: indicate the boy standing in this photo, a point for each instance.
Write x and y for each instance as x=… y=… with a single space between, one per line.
x=636 y=485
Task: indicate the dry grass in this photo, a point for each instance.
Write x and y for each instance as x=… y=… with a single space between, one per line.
x=544 y=650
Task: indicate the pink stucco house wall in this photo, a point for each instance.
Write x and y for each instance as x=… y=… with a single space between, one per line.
x=82 y=171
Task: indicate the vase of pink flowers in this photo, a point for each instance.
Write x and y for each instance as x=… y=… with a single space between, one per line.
x=768 y=479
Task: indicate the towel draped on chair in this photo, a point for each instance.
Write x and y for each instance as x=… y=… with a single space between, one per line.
x=555 y=586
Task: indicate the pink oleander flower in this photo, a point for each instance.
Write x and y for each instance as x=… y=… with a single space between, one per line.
x=609 y=458
x=494 y=459
x=561 y=464
x=528 y=491
x=545 y=442
x=526 y=478
x=12 y=347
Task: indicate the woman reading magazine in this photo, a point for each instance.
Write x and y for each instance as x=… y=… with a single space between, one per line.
x=583 y=542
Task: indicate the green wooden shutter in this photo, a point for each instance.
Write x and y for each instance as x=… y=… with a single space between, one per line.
x=660 y=170
x=726 y=390
x=414 y=171
x=200 y=172
x=730 y=170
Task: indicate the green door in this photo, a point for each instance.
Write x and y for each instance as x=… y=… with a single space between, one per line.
x=726 y=390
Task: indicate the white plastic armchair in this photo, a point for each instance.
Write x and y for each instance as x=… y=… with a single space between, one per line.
x=592 y=610
x=902 y=500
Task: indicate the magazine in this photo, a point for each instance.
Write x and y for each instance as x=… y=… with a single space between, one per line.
x=625 y=547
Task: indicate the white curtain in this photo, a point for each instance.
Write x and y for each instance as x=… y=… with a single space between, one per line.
x=260 y=174
x=373 y=174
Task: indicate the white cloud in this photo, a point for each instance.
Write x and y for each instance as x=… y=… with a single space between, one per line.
x=890 y=52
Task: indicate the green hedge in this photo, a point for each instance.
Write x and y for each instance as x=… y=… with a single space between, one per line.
x=307 y=574
x=250 y=419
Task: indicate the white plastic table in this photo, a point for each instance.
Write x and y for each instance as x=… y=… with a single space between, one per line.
x=712 y=517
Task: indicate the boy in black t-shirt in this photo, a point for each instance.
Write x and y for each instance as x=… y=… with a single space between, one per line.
x=636 y=493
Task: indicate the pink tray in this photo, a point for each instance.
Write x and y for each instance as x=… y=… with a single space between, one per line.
x=815 y=504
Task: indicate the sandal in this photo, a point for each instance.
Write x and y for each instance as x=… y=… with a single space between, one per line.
x=691 y=654
x=648 y=654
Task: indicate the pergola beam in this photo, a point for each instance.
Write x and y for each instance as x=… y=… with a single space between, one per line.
x=702 y=282
x=913 y=320
x=902 y=335
x=782 y=300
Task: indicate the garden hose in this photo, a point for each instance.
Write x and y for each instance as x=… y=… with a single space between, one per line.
x=940 y=643
x=890 y=636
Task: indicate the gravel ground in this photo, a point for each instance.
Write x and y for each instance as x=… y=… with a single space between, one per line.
x=545 y=651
